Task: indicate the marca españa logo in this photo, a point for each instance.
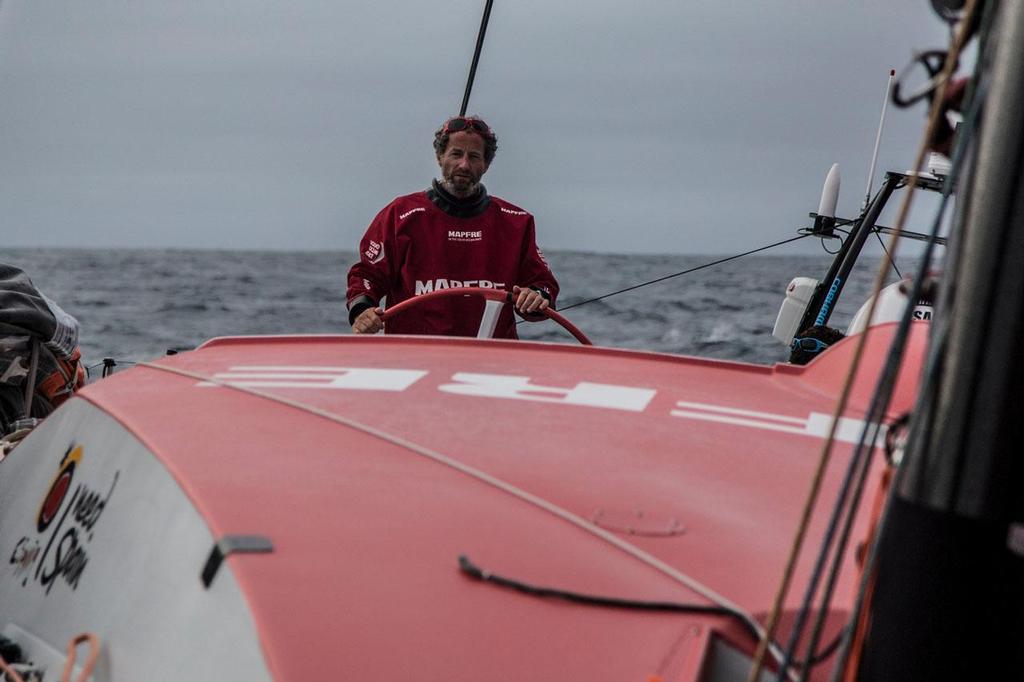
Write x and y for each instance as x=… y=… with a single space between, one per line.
x=64 y=528
x=374 y=252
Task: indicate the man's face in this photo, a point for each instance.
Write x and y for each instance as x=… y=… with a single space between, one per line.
x=462 y=164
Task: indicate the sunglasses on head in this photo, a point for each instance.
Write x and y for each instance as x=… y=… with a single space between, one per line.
x=461 y=123
x=808 y=344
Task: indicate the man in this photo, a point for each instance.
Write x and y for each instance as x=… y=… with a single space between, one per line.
x=811 y=342
x=449 y=236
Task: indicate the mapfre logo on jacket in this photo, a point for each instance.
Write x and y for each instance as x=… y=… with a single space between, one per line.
x=465 y=235
x=441 y=283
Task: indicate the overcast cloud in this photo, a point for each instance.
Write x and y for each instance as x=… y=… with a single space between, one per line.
x=703 y=126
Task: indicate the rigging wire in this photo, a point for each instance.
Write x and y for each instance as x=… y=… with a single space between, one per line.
x=859 y=464
x=108 y=365
x=844 y=397
x=878 y=140
x=939 y=339
x=860 y=461
x=887 y=255
x=683 y=272
x=476 y=56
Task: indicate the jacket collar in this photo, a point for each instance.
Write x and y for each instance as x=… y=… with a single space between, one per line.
x=458 y=207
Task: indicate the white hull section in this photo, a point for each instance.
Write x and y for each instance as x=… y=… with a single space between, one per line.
x=100 y=538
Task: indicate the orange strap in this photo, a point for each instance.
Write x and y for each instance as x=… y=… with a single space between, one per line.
x=69 y=377
x=90 y=661
x=9 y=672
x=861 y=631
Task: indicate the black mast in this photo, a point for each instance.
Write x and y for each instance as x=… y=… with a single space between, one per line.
x=476 y=56
x=948 y=598
x=826 y=294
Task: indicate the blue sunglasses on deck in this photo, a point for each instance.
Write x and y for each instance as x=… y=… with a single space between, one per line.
x=808 y=344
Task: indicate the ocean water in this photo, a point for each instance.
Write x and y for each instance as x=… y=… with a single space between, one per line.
x=136 y=304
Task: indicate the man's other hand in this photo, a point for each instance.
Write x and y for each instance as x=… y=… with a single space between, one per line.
x=368 y=322
x=529 y=301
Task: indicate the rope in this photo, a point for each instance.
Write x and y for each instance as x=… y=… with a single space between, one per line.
x=69 y=662
x=30 y=382
x=891 y=259
x=90 y=661
x=879 y=404
x=860 y=632
x=951 y=60
x=684 y=272
x=10 y=672
x=864 y=589
x=520 y=494
x=11 y=440
x=857 y=470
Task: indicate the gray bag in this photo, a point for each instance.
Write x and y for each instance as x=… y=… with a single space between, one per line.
x=28 y=318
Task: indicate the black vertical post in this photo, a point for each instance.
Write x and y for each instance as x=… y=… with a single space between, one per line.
x=827 y=292
x=476 y=56
x=949 y=585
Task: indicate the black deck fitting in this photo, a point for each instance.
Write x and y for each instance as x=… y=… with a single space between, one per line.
x=233 y=544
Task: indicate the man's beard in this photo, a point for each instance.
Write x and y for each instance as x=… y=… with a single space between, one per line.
x=463 y=190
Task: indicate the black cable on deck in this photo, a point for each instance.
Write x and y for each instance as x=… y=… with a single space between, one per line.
x=471 y=570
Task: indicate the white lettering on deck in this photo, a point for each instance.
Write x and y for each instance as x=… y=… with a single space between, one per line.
x=514 y=387
x=816 y=424
x=286 y=376
x=519 y=388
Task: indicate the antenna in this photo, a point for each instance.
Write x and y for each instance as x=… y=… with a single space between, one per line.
x=878 y=140
x=825 y=218
x=476 y=55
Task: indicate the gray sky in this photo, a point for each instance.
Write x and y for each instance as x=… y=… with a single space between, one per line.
x=703 y=126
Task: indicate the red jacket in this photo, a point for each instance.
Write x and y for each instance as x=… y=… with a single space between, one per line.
x=413 y=247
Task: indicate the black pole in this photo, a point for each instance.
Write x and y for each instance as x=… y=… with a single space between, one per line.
x=950 y=573
x=859 y=465
x=476 y=56
x=827 y=292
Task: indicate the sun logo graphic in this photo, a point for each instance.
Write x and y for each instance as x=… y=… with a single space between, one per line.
x=59 y=488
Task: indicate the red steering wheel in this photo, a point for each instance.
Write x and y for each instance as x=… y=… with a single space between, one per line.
x=494 y=299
